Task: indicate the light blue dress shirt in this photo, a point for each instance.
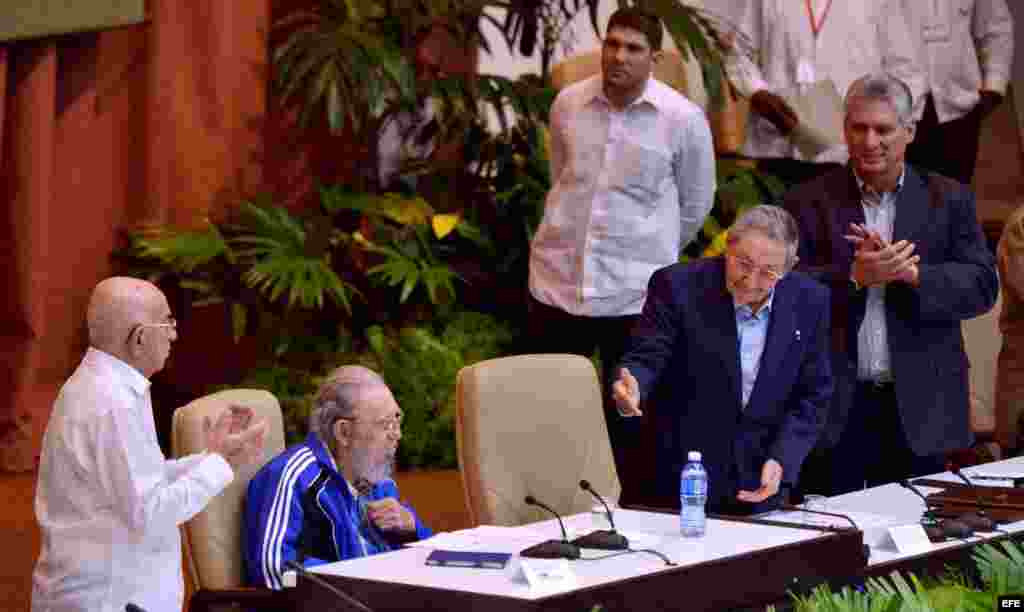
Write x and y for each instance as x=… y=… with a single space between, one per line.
x=873 y=361
x=751 y=333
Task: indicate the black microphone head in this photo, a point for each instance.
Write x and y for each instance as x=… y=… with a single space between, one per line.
x=530 y=500
x=130 y=607
x=585 y=485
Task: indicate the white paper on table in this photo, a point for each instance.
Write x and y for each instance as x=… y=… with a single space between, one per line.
x=489 y=538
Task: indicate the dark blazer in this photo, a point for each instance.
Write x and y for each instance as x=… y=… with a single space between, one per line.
x=957 y=281
x=684 y=353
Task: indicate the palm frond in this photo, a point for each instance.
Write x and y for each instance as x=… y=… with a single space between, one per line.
x=183 y=251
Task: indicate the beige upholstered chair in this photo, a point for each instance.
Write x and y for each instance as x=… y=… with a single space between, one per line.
x=531 y=425
x=213 y=538
x=982 y=341
x=684 y=76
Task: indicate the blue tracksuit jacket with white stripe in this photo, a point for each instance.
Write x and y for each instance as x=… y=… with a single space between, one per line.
x=299 y=502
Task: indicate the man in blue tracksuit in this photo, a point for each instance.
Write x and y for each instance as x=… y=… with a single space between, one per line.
x=332 y=496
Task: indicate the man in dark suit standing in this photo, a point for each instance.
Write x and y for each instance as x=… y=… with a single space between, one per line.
x=906 y=261
x=730 y=357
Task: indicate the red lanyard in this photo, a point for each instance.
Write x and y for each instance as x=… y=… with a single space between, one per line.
x=817 y=25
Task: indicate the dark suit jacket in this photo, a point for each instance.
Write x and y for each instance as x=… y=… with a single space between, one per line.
x=957 y=281
x=684 y=353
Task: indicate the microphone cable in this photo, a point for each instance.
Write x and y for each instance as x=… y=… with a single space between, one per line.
x=630 y=551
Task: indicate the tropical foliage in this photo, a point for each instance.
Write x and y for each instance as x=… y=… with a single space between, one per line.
x=1000 y=570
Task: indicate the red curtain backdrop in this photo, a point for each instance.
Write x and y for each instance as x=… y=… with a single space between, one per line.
x=105 y=132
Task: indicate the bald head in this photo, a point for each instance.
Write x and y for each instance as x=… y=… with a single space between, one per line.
x=118 y=307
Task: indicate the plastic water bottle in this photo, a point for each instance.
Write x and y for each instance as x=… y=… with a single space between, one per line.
x=693 y=495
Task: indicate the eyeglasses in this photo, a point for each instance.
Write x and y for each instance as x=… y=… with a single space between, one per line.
x=749 y=268
x=170 y=323
x=393 y=423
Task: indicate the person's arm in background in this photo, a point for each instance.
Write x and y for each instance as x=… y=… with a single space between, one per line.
x=992 y=30
x=695 y=177
x=899 y=54
x=746 y=75
x=558 y=122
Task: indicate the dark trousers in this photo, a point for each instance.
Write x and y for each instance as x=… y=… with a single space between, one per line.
x=552 y=330
x=873 y=448
x=950 y=148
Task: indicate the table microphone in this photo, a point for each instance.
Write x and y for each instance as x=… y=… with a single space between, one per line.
x=351 y=601
x=977 y=520
x=551 y=549
x=130 y=607
x=943 y=528
x=793 y=508
x=604 y=539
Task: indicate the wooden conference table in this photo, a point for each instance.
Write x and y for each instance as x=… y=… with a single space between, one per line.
x=739 y=563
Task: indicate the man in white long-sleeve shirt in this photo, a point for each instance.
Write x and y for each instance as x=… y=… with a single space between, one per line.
x=633 y=177
x=108 y=503
x=801 y=42
x=966 y=47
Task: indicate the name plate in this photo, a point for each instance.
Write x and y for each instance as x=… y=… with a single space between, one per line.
x=910 y=539
x=546 y=573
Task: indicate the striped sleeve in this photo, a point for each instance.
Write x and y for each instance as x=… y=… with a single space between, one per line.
x=274 y=518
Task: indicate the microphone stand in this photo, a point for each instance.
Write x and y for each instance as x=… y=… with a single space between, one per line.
x=551 y=549
x=864 y=547
x=938 y=529
x=605 y=539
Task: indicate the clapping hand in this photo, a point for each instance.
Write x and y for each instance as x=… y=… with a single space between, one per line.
x=626 y=393
x=877 y=262
x=235 y=435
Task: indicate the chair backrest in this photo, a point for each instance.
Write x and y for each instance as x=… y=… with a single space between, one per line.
x=531 y=425
x=982 y=342
x=682 y=75
x=213 y=538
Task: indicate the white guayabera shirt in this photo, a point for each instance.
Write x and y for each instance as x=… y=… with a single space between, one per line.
x=108 y=503
x=629 y=190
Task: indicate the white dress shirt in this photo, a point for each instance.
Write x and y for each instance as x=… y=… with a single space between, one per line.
x=856 y=37
x=630 y=188
x=108 y=503
x=966 y=46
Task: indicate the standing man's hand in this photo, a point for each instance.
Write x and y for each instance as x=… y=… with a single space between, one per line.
x=771 y=478
x=626 y=393
x=773 y=108
x=877 y=262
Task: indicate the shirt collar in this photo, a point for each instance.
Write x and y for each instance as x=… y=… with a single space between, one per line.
x=131 y=377
x=746 y=312
x=650 y=94
x=899 y=182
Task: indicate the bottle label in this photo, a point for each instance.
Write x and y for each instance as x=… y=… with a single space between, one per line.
x=693 y=487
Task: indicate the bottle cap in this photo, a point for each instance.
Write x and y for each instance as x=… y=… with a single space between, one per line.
x=693 y=456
